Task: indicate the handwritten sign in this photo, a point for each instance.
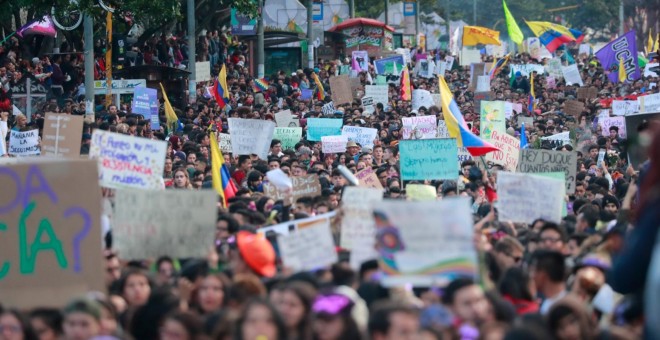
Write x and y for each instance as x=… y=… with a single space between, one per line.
x=536 y=161
x=361 y=135
x=492 y=118
x=357 y=225
x=574 y=107
x=303 y=186
x=553 y=68
x=368 y=178
x=564 y=138
x=587 y=92
x=368 y=105
x=483 y=83
x=608 y=122
x=333 y=144
x=50 y=222
x=508 y=154
x=625 y=107
x=425 y=243
x=24 y=143
x=319 y=127
x=421 y=127
x=308 y=247
x=146 y=224
x=283 y=118
x=443 y=132
x=62 y=135
x=421 y=98
x=225 y=143
x=251 y=136
x=527 y=69
x=572 y=75
x=525 y=197
x=421 y=192
x=380 y=93
x=428 y=159
x=289 y=136
x=341 y=90
x=650 y=103
x=128 y=162
x=476 y=70
x=479 y=97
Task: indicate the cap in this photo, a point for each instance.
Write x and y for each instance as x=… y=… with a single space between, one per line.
x=257 y=252
x=352 y=144
x=518 y=74
x=367 y=149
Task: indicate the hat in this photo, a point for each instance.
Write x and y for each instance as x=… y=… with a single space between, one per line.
x=610 y=199
x=35 y=60
x=367 y=149
x=593 y=260
x=257 y=252
x=518 y=74
x=351 y=144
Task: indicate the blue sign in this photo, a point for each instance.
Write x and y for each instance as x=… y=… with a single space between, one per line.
x=409 y=9
x=428 y=159
x=317 y=11
x=320 y=127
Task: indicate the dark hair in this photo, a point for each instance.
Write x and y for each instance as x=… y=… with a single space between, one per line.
x=226 y=284
x=555 y=227
x=51 y=317
x=26 y=327
x=453 y=288
x=274 y=142
x=191 y=322
x=133 y=271
x=147 y=319
x=515 y=284
x=306 y=293
x=550 y=262
x=590 y=213
x=379 y=318
x=162 y=260
x=277 y=319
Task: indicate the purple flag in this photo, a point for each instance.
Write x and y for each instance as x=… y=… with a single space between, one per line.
x=44 y=26
x=623 y=47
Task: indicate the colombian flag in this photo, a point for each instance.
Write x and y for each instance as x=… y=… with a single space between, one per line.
x=220 y=89
x=473 y=35
x=222 y=182
x=578 y=35
x=499 y=65
x=456 y=124
x=320 y=91
x=551 y=35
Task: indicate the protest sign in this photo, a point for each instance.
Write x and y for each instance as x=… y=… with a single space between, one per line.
x=492 y=118
x=62 y=135
x=289 y=136
x=483 y=84
x=437 y=99
x=625 y=107
x=51 y=232
x=421 y=98
x=553 y=68
x=516 y=108
x=428 y=159
x=283 y=118
x=650 y=103
x=527 y=69
x=572 y=75
x=307 y=185
x=357 y=224
x=319 y=127
x=368 y=178
x=421 y=192
x=386 y=66
x=603 y=113
x=520 y=200
x=563 y=138
x=529 y=121
x=550 y=82
x=308 y=247
x=341 y=90
x=128 y=162
x=508 y=154
x=292 y=225
x=443 y=132
x=420 y=127
x=379 y=93
x=537 y=161
x=306 y=94
x=585 y=49
x=587 y=92
x=476 y=70
x=464 y=155
x=149 y=224
x=574 y=107
x=225 y=143
x=328 y=108
x=648 y=72
x=449 y=60
x=24 y=143
x=143 y=97
x=479 y=97
x=608 y=122
x=368 y=105
x=251 y=136
x=425 y=244
x=360 y=61
x=333 y=144
x=361 y=135
x=356 y=88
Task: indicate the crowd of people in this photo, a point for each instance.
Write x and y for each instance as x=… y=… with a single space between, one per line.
x=589 y=277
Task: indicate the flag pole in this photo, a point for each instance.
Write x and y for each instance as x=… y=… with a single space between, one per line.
x=7 y=37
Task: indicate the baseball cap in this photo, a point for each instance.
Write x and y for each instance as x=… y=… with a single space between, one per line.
x=257 y=252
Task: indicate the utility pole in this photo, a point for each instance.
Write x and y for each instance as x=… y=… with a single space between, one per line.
x=621 y=18
x=351 y=8
x=260 y=42
x=474 y=12
x=192 y=78
x=417 y=23
x=88 y=26
x=387 y=9
x=310 y=35
x=108 y=59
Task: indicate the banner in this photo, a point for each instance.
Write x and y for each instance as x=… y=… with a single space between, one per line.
x=526 y=197
x=62 y=135
x=608 y=122
x=428 y=159
x=251 y=136
x=308 y=247
x=492 y=118
x=527 y=69
x=425 y=243
x=289 y=136
x=50 y=222
x=537 y=161
x=624 y=47
x=333 y=144
x=649 y=103
x=127 y=161
x=508 y=155
x=319 y=127
x=421 y=127
x=361 y=135
x=380 y=93
x=24 y=143
x=625 y=107
x=149 y=224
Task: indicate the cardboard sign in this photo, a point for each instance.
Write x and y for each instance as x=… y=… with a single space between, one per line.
x=319 y=127
x=127 y=161
x=428 y=159
x=368 y=178
x=572 y=75
x=24 y=143
x=425 y=243
x=283 y=118
x=251 y=136
x=608 y=122
x=341 y=90
x=289 y=136
x=308 y=247
x=573 y=107
x=50 y=222
x=421 y=192
x=625 y=107
x=333 y=144
x=493 y=118
x=149 y=224
x=225 y=143
x=421 y=127
x=508 y=154
x=537 y=161
x=525 y=197
x=356 y=88
x=379 y=93
x=587 y=93
x=650 y=103
x=307 y=185
x=62 y=135
x=361 y=135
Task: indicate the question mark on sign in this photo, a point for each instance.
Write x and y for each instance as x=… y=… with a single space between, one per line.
x=78 y=238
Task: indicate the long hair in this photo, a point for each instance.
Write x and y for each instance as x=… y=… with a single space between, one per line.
x=649 y=189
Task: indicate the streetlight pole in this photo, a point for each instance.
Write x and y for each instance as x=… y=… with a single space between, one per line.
x=260 y=42
x=192 y=78
x=310 y=35
x=89 y=64
x=621 y=19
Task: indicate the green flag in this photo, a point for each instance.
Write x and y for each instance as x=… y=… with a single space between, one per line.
x=514 y=31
